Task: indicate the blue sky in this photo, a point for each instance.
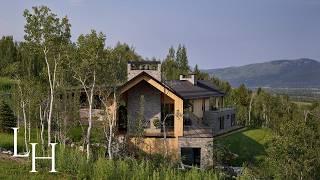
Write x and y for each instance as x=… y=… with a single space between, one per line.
x=217 y=33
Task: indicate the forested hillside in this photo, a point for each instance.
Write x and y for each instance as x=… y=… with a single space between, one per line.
x=299 y=73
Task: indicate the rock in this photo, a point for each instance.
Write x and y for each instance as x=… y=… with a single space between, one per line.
x=6 y=152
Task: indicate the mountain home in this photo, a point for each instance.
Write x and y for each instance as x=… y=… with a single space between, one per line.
x=189 y=112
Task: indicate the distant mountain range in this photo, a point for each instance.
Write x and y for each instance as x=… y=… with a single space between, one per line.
x=299 y=73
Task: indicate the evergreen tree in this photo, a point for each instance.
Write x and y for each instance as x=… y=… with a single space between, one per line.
x=182 y=60
x=200 y=75
x=7 y=119
x=8 y=55
x=169 y=66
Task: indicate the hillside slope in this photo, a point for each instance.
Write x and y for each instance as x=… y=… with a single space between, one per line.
x=300 y=73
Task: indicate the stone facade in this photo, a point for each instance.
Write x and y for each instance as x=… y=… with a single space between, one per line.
x=152 y=103
x=156 y=73
x=212 y=119
x=203 y=144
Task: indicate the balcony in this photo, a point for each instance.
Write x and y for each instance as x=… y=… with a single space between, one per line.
x=159 y=132
x=214 y=109
x=197 y=132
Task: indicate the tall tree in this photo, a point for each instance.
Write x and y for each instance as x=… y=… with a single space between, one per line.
x=200 y=75
x=47 y=35
x=9 y=55
x=182 y=60
x=169 y=66
x=86 y=68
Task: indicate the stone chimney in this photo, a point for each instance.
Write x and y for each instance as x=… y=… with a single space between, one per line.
x=153 y=68
x=190 y=77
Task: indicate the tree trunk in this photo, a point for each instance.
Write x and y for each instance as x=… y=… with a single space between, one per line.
x=29 y=124
x=165 y=133
x=52 y=86
x=42 y=128
x=90 y=100
x=112 y=124
x=23 y=106
x=25 y=125
x=250 y=109
x=89 y=130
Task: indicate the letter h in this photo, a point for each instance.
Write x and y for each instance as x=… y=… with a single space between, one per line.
x=53 y=168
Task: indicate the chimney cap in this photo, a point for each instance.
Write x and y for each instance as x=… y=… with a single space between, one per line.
x=144 y=62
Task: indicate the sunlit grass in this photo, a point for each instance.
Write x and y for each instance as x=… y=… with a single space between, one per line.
x=249 y=145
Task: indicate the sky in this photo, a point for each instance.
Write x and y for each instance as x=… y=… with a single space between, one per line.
x=216 y=33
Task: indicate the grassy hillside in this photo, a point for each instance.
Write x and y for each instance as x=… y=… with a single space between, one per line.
x=248 y=144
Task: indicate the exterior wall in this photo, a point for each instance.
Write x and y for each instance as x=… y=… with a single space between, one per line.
x=212 y=119
x=206 y=158
x=157 y=145
x=178 y=102
x=154 y=73
x=152 y=103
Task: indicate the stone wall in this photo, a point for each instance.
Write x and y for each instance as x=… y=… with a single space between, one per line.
x=211 y=118
x=206 y=158
x=154 y=73
x=152 y=103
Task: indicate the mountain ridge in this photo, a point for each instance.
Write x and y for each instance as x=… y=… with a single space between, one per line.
x=284 y=73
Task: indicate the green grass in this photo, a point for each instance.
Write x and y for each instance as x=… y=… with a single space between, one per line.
x=6 y=84
x=303 y=104
x=19 y=169
x=249 y=145
x=6 y=139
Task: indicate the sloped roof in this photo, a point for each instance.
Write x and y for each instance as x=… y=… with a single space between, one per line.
x=185 y=89
x=143 y=73
x=202 y=89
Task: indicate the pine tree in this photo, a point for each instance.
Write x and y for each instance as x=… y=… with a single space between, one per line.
x=182 y=60
x=7 y=119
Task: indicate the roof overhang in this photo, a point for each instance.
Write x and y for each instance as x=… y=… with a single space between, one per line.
x=143 y=76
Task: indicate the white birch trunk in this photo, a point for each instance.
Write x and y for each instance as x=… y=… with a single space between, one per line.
x=52 y=86
x=23 y=107
x=90 y=101
x=25 y=125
